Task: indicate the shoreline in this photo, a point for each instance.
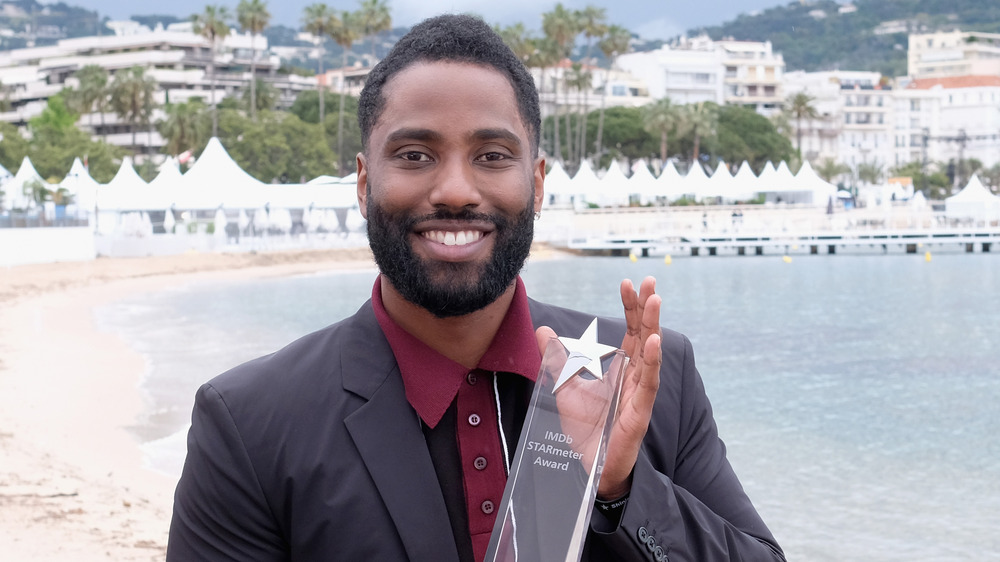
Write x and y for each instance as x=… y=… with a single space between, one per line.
x=73 y=485
x=73 y=482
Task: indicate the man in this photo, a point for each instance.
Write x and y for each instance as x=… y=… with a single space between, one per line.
x=387 y=436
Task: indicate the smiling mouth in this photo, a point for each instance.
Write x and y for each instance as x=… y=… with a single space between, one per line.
x=449 y=238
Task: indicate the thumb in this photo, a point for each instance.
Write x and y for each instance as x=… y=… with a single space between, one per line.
x=543 y=335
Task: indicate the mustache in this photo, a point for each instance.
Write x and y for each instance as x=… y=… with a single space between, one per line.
x=469 y=215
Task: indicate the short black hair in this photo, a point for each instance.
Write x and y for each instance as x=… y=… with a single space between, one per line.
x=457 y=38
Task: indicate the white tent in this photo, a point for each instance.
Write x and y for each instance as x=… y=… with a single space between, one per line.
x=670 y=183
x=217 y=180
x=973 y=202
x=587 y=187
x=779 y=185
x=15 y=196
x=808 y=180
x=642 y=184
x=5 y=175
x=696 y=182
x=744 y=184
x=126 y=191
x=317 y=195
x=766 y=179
x=614 y=186
x=721 y=184
x=558 y=186
x=79 y=183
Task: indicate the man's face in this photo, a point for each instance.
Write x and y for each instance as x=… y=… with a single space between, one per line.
x=449 y=186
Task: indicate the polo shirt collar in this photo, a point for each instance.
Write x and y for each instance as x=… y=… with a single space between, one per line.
x=432 y=380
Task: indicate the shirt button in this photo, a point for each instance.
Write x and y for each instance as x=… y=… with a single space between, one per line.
x=474 y=420
x=471 y=378
x=480 y=463
x=487 y=507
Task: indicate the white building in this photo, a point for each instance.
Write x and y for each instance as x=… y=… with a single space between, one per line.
x=753 y=75
x=855 y=117
x=698 y=69
x=176 y=58
x=953 y=53
x=956 y=117
x=690 y=72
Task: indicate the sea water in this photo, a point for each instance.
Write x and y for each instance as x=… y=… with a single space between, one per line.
x=857 y=395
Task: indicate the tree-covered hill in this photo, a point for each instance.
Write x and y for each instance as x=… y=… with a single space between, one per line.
x=45 y=23
x=815 y=35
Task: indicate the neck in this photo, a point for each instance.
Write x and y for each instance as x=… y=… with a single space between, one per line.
x=463 y=339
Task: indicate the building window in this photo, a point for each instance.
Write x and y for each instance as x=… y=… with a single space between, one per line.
x=703 y=78
x=618 y=90
x=914 y=105
x=769 y=91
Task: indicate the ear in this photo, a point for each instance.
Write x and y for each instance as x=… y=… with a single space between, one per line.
x=539 y=179
x=362 y=186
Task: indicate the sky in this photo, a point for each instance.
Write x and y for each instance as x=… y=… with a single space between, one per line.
x=651 y=19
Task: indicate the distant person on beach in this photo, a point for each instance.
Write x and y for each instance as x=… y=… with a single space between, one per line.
x=385 y=436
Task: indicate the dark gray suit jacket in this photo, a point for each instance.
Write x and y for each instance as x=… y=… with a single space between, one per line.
x=314 y=453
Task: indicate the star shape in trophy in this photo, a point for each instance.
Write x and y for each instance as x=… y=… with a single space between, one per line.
x=586 y=356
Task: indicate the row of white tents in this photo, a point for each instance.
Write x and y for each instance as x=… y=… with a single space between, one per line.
x=216 y=182
x=777 y=184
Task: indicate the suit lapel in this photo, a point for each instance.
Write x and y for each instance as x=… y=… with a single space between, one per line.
x=388 y=436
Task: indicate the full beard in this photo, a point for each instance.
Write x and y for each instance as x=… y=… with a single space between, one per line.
x=447 y=289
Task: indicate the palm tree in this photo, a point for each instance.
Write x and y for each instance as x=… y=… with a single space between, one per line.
x=829 y=169
x=4 y=98
x=374 y=18
x=132 y=97
x=266 y=96
x=616 y=41
x=344 y=31
x=870 y=172
x=546 y=54
x=212 y=24
x=183 y=126
x=800 y=106
x=593 y=23
x=253 y=17
x=519 y=40
x=700 y=120
x=579 y=80
x=660 y=118
x=561 y=26
x=93 y=90
x=317 y=21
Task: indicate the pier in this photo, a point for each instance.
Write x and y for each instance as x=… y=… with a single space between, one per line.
x=749 y=231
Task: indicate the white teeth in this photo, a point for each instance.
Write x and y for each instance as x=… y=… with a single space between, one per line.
x=460 y=238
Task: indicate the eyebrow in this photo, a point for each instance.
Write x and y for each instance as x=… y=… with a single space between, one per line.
x=496 y=134
x=428 y=135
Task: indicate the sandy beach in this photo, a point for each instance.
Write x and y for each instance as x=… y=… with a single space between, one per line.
x=72 y=482
x=72 y=485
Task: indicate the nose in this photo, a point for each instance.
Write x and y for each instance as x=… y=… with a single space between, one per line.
x=455 y=186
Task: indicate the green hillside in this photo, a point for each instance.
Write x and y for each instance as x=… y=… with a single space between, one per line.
x=810 y=40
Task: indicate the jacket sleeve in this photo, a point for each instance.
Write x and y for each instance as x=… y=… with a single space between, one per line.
x=220 y=512
x=686 y=503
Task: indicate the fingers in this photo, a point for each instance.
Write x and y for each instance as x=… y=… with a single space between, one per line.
x=543 y=335
x=642 y=314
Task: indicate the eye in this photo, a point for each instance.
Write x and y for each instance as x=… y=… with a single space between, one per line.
x=492 y=157
x=414 y=156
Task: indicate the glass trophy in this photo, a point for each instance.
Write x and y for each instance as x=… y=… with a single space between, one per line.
x=549 y=497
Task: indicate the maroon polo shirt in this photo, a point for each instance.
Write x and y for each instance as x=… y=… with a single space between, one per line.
x=459 y=408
